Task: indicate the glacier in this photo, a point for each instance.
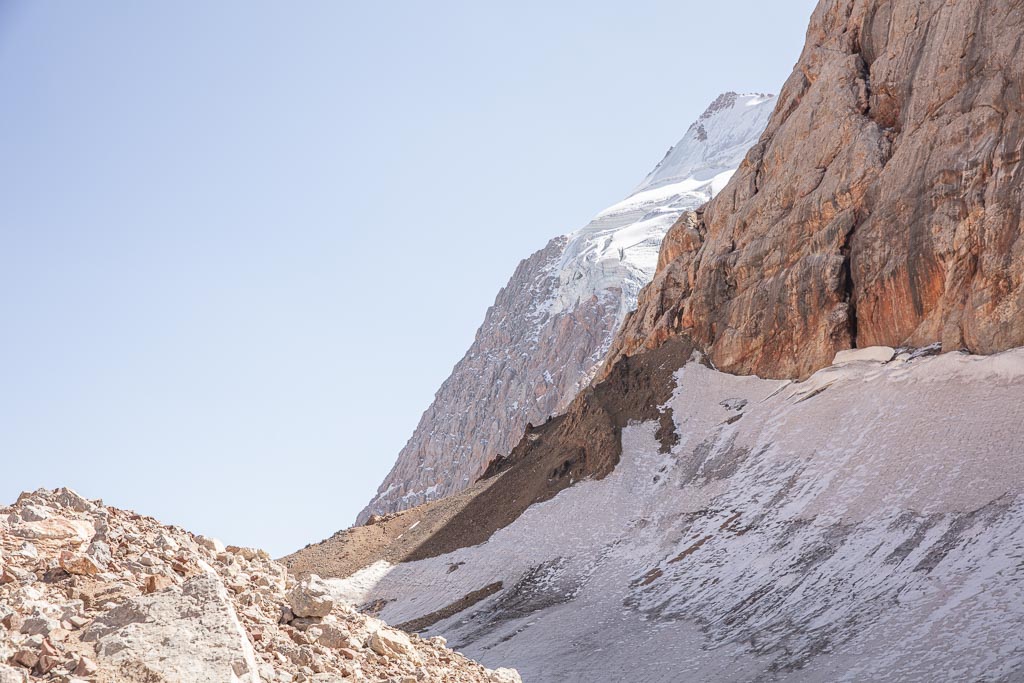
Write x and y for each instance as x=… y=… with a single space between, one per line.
x=795 y=531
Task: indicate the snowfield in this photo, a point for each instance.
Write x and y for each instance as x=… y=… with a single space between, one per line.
x=865 y=524
x=618 y=249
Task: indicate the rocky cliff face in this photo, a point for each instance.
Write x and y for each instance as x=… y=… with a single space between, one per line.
x=552 y=324
x=881 y=206
x=93 y=593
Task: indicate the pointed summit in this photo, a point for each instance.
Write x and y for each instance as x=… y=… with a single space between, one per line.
x=716 y=141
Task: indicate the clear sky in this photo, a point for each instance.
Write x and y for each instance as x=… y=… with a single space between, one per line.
x=243 y=243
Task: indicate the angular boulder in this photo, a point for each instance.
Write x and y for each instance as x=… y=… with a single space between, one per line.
x=70 y=498
x=311 y=598
x=503 y=675
x=190 y=633
x=391 y=643
x=80 y=565
x=871 y=354
x=214 y=545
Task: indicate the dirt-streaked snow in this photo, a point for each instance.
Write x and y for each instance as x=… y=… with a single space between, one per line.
x=865 y=524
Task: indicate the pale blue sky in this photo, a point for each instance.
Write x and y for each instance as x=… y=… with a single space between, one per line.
x=242 y=243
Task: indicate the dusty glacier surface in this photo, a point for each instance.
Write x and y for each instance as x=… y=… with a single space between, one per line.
x=864 y=524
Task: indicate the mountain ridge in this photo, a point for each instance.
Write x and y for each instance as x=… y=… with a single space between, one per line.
x=552 y=323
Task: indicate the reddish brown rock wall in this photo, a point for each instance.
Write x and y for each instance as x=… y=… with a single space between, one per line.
x=881 y=206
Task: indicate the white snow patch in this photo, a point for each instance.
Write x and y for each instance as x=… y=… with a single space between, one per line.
x=618 y=249
x=358 y=588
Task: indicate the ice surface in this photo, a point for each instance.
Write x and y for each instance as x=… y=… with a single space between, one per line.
x=865 y=524
x=618 y=249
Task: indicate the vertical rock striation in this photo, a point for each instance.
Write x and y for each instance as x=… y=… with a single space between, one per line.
x=882 y=205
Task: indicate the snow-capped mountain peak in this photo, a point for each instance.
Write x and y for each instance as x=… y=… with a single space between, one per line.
x=618 y=249
x=715 y=143
x=553 y=323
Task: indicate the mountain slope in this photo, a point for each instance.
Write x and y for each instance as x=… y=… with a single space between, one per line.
x=551 y=325
x=861 y=521
x=865 y=524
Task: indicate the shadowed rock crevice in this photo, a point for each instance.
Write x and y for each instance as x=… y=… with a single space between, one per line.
x=849 y=290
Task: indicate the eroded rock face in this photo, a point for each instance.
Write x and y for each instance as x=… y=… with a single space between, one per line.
x=882 y=206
